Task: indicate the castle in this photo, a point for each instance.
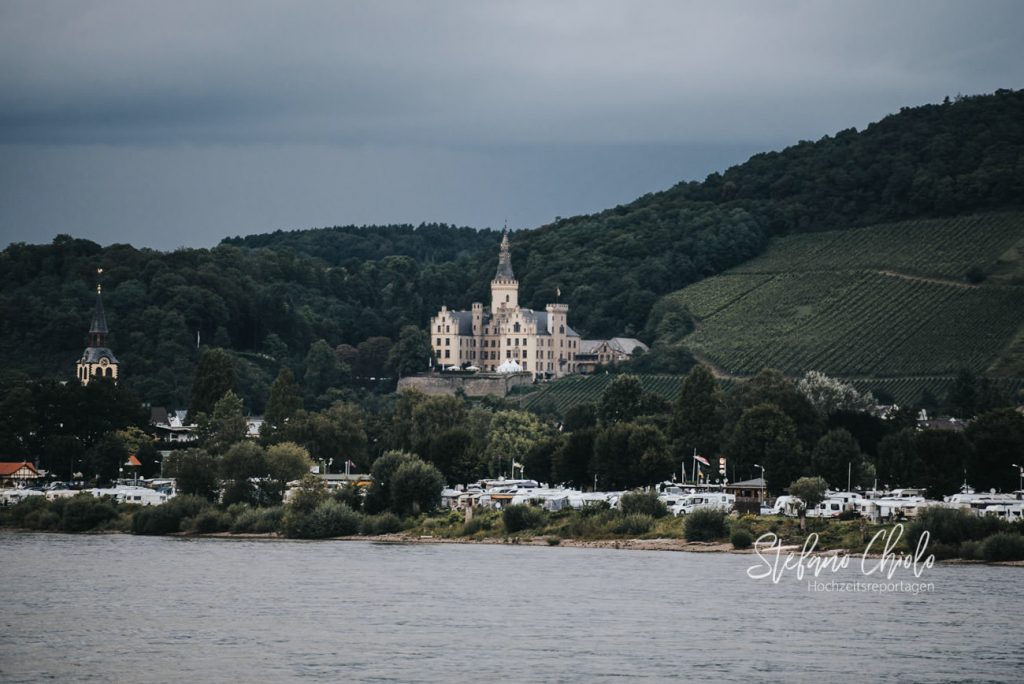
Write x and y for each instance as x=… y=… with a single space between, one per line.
x=507 y=338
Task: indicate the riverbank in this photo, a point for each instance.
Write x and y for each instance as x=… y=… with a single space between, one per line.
x=946 y=533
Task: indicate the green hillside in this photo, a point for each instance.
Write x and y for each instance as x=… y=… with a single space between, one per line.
x=271 y=299
x=908 y=304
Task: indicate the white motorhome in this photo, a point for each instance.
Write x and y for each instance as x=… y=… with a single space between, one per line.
x=834 y=505
x=704 y=500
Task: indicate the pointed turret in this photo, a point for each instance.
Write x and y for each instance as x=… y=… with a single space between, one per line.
x=504 y=287
x=505 y=260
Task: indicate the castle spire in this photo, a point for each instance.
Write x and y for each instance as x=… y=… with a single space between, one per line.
x=504 y=259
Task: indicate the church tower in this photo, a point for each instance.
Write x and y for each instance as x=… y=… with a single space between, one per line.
x=504 y=287
x=98 y=361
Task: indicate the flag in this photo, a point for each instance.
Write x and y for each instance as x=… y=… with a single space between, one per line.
x=516 y=464
x=702 y=459
x=558 y=292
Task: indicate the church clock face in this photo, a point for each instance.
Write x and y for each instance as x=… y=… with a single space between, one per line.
x=104 y=362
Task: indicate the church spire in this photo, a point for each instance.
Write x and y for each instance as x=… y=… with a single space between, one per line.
x=97 y=361
x=98 y=330
x=504 y=259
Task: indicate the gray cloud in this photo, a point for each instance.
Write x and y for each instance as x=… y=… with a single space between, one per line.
x=506 y=106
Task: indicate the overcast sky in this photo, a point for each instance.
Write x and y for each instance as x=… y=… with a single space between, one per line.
x=169 y=124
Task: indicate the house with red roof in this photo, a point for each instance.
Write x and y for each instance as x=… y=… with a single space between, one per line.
x=17 y=472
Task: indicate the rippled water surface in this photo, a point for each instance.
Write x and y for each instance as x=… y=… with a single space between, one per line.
x=135 y=609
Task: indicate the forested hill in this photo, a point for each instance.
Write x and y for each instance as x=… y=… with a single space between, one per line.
x=930 y=161
x=269 y=298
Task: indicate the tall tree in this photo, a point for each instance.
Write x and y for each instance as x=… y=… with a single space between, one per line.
x=283 y=403
x=226 y=426
x=286 y=461
x=998 y=440
x=412 y=353
x=944 y=455
x=214 y=376
x=898 y=464
x=512 y=435
x=243 y=463
x=697 y=415
x=571 y=462
x=195 y=472
x=837 y=458
x=621 y=400
x=766 y=436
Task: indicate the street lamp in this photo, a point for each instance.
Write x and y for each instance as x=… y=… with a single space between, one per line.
x=1020 y=471
x=764 y=484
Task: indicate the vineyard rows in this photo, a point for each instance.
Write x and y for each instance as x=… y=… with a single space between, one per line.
x=565 y=393
x=854 y=324
x=940 y=248
x=577 y=389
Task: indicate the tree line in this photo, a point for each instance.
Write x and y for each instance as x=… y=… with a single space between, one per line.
x=268 y=298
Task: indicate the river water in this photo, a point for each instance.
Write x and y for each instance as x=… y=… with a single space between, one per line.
x=137 y=609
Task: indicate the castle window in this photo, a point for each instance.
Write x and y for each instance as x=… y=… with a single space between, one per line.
x=524 y=341
x=517 y=341
x=516 y=327
x=508 y=343
x=447 y=353
x=561 y=329
x=525 y=364
x=447 y=328
x=446 y=341
x=438 y=340
x=506 y=298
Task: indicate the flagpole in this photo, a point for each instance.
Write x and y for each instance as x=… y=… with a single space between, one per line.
x=695 y=465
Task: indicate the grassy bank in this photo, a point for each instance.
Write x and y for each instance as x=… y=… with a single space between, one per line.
x=951 y=533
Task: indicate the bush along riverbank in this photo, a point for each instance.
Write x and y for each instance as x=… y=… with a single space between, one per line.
x=313 y=513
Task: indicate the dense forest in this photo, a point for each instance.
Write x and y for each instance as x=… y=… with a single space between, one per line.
x=270 y=299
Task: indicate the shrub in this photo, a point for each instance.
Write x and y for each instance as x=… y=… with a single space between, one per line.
x=384 y=523
x=329 y=519
x=705 y=525
x=472 y=527
x=741 y=539
x=258 y=520
x=643 y=502
x=17 y=513
x=85 y=512
x=594 y=508
x=634 y=524
x=849 y=514
x=211 y=520
x=166 y=518
x=42 y=519
x=522 y=517
x=971 y=550
x=1004 y=546
x=553 y=541
x=951 y=526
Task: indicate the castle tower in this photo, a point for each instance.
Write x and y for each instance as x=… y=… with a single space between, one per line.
x=504 y=287
x=97 y=361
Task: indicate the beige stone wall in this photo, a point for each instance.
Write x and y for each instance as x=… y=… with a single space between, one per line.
x=479 y=385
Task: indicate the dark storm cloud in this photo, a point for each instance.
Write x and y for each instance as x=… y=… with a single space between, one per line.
x=505 y=106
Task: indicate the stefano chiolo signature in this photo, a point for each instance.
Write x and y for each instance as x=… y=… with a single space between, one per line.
x=775 y=564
